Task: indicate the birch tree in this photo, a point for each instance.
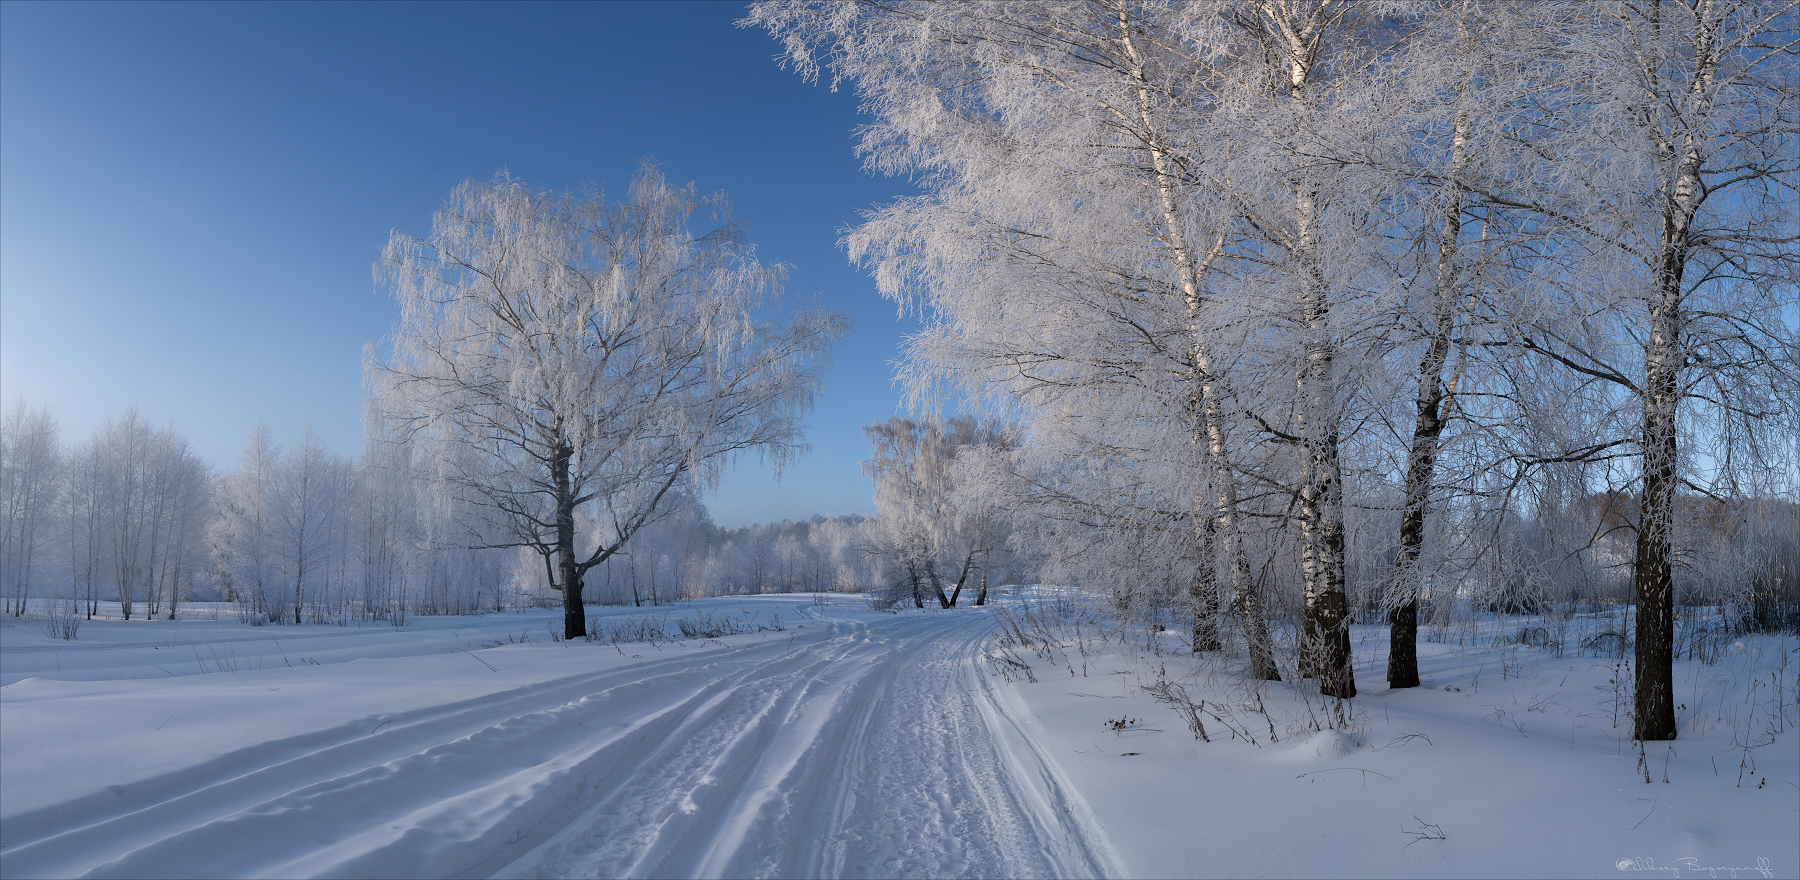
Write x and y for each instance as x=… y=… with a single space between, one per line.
x=177 y=503
x=83 y=513
x=1473 y=80
x=563 y=357
x=1690 y=150
x=306 y=509
x=30 y=482
x=934 y=527
x=243 y=530
x=1059 y=253
x=124 y=447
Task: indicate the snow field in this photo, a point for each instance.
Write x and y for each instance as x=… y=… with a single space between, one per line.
x=1505 y=763
x=855 y=743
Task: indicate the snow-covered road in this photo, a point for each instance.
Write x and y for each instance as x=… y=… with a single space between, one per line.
x=856 y=745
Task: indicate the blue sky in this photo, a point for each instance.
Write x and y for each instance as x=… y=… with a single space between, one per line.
x=192 y=195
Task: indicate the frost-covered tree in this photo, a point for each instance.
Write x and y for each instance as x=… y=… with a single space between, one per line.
x=384 y=525
x=1680 y=172
x=1090 y=170
x=178 y=488
x=243 y=529
x=561 y=356
x=1262 y=230
x=1469 y=83
x=136 y=500
x=931 y=527
x=30 y=481
x=123 y=448
x=83 y=511
x=311 y=495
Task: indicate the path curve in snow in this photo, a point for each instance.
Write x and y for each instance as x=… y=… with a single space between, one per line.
x=849 y=750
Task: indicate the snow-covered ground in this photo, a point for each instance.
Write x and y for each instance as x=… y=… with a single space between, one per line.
x=1508 y=761
x=829 y=739
x=847 y=742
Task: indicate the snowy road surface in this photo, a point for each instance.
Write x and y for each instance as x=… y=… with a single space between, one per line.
x=856 y=745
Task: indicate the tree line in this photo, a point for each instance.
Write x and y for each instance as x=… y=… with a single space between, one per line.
x=135 y=519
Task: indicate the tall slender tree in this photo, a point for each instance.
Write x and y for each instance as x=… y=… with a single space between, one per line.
x=1690 y=148
x=30 y=480
x=1061 y=289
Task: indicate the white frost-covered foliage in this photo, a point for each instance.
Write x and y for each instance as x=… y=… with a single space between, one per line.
x=30 y=477
x=563 y=363
x=938 y=529
x=304 y=536
x=121 y=518
x=1324 y=310
x=297 y=534
x=687 y=556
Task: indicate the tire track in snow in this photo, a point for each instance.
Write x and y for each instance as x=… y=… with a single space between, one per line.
x=901 y=761
x=129 y=831
x=859 y=751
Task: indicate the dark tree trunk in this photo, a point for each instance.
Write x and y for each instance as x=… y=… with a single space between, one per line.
x=574 y=614
x=962 y=578
x=1653 y=570
x=1204 y=590
x=1428 y=427
x=1403 y=645
x=937 y=585
x=981 y=597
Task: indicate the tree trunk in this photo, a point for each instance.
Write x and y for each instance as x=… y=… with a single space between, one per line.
x=1243 y=587
x=1189 y=270
x=981 y=597
x=1204 y=590
x=1428 y=428
x=912 y=575
x=574 y=614
x=175 y=591
x=1654 y=569
x=937 y=585
x=1326 y=634
x=1326 y=630
x=962 y=578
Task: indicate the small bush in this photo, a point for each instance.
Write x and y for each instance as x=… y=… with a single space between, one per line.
x=1537 y=637
x=60 y=618
x=1607 y=644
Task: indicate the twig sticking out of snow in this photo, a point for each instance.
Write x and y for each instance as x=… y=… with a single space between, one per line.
x=470 y=653
x=1426 y=831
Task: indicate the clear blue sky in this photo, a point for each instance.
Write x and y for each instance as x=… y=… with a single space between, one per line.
x=192 y=195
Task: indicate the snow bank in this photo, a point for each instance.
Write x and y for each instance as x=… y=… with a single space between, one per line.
x=1509 y=761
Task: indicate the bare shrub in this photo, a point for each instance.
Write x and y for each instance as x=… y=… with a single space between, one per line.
x=60 y=618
